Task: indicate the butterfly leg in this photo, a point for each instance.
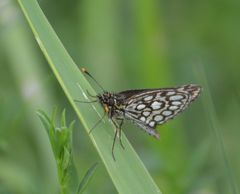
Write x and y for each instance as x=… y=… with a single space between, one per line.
x=119 y=129
x=113 y=145
x=120 y=132
x=117 y=132
x=97 y=123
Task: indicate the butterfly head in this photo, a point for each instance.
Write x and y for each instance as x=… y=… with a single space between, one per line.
x=107 y=100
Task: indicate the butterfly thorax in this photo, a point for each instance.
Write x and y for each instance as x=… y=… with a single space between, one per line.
x=112 y=104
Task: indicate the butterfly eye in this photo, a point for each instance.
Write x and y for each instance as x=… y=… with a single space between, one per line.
x=111 y=102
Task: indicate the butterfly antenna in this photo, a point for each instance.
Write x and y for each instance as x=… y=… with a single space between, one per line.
x=83 y=70
x=85 y=101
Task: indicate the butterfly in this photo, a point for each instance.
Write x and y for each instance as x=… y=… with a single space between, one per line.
x=146 y=108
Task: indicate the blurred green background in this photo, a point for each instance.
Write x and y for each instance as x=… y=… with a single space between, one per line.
x=126 y=45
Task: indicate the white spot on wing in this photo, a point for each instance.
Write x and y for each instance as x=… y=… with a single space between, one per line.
x=158 y=118
x=176 y=103
x=148 y=98
x=156 y=105
x=173 y=108
x=152 y=123
x=141 y=106
x=143 y=119
x=176 y=97
x=167 y=113
x=148 y=120
x=146 y=113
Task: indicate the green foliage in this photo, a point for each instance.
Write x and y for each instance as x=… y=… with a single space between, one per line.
x=87 y=177
x=61 y=141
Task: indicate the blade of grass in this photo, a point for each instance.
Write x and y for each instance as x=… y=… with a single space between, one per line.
x=215 y=126
x=128 y=172
x=86 y=179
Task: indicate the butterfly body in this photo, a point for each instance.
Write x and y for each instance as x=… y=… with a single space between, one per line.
x=112 y=104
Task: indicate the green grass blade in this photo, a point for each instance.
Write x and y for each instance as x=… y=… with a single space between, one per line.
x=86 y=179
x=127 y=172
x=217 y=129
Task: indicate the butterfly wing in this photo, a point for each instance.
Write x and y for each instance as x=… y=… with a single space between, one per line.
x=151 y=107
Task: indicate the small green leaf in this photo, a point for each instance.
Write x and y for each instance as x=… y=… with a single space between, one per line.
x=61 y=141
x=66 y=158
x=45 y=120
x=54 y=114
x=71 y=125
x=86 y=179
x=63 y=118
